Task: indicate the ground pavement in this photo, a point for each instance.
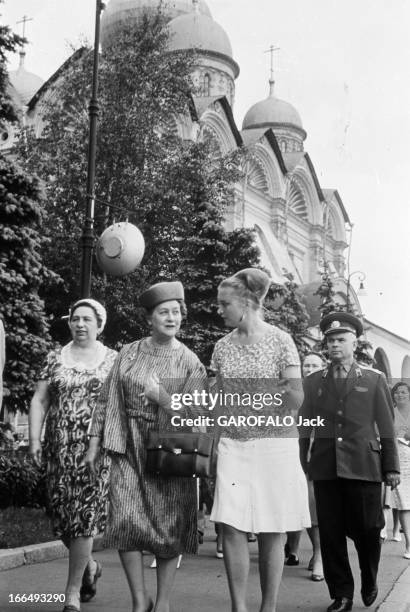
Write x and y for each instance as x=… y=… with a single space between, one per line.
x=201 y=583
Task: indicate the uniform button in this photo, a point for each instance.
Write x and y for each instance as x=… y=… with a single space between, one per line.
x=339 y=425
x=340 y=412
x=340 y=439
x=340 y=401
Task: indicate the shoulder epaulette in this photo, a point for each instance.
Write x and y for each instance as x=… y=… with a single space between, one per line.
x=366 y=367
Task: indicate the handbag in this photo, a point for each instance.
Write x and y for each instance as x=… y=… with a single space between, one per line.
x=179 y=454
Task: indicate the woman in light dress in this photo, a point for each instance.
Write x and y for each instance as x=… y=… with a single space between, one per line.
x=260 y=485
x=400 y=496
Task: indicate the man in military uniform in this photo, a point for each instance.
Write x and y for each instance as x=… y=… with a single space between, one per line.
x=351 y=454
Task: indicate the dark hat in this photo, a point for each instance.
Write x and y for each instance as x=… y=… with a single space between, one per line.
x=341 y=322
x=161 y=292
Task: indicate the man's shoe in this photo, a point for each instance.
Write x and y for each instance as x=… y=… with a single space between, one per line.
x=341 y=604
x=369 y=595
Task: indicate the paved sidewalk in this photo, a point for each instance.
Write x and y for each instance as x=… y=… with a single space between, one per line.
x=201 y=583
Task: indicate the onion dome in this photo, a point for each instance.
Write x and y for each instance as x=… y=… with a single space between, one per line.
x=198 y=31
x=124 y=11
x=25 y=83
x=281 y=117
x=272 y=112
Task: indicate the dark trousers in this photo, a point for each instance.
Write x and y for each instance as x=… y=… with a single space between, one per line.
x=349 y=508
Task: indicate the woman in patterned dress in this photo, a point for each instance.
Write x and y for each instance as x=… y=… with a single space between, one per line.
x=66 y=394
x=260 y=485
x=400 y=496
x=148 y=512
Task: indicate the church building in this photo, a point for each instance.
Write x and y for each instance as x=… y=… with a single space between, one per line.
x=302 y=227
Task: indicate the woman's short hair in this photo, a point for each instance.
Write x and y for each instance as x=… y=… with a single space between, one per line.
x=251 y=284
x=401 y=383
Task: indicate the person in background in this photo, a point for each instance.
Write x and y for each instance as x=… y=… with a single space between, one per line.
x=311 y=362
x=148 y=512
x=66 y=394
x=258 y=476
x=346 y=461
x=400 y=497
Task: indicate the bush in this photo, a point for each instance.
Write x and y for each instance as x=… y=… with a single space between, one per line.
x=24 y=526
x=22 y=483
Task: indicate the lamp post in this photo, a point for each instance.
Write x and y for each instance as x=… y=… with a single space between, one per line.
x=87 y=238
x=361 y=290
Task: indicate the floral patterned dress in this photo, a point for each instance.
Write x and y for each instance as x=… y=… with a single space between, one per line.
x=77 y=503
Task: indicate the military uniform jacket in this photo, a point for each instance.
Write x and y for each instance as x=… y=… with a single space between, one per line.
x=356 y=439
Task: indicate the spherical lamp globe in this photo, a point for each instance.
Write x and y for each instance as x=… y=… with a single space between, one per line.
x=120 y=249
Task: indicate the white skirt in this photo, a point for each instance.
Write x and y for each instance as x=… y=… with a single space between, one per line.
x=260 y=486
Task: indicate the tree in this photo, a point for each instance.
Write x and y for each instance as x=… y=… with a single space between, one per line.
x=21 y=268
x=211 y=254
x=9 y=42
x=327 y=294
x=328 y=304
x=21 y=276
x=176 y=191
x=286 y=310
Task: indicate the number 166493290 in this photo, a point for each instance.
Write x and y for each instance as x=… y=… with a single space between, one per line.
x=36 y=597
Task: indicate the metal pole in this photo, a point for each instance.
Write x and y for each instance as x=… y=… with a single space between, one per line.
x=87 y=238
x=348 y=269
x=347 y=294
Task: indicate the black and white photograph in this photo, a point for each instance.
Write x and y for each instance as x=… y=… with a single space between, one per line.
x=204 y=306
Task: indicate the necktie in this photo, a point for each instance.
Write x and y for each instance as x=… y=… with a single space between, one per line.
x=340 y=372
x=340 y=375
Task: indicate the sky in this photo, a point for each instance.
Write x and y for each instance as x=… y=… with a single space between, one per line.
x=344 y=65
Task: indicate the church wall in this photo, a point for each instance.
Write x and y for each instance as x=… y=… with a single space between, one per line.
x=395 y=348
x=220 y=81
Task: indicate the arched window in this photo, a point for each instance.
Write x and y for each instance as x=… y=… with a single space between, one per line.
x=405 y=368
x=206 y=85
x=331 y=227
x=231 y=93
x=297 y=203
x=257 y=177
x=382 y=362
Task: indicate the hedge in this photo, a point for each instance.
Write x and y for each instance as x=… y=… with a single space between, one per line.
x=22 y=483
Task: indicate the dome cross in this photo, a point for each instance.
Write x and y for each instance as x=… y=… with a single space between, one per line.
x=24 y=21
x=271 y=50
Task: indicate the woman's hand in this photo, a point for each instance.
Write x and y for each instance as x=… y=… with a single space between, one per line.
x=38 y=410
x=35 y=451
x=392 y=479
x=91 y=455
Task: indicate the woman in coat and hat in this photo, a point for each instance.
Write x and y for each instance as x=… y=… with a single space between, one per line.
x=148 y=512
